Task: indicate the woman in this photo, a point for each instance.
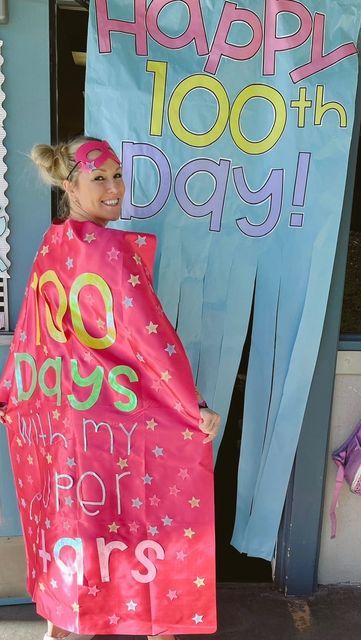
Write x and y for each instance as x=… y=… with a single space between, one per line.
x=105 y=425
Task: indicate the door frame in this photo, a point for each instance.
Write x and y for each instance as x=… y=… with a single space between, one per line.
x=299 y=537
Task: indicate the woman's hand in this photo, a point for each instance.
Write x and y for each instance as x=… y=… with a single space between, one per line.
x=209 y=423
x=3 y=409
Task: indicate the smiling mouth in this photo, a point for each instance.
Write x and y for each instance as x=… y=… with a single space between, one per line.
x=111 y=203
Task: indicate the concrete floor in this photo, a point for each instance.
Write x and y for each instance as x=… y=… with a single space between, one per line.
x=245 y=612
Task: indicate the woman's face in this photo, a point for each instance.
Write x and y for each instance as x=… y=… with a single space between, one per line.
x=98 y=193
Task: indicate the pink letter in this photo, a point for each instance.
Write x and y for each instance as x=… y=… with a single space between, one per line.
x=220 y=47
x=271 y=42
x=106 y=26
x=319 y=61
x=195 y=30
x=148 y=564
x=104 y=551
x=43 y=552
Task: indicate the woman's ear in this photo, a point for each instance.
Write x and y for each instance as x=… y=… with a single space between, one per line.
x=66 y=185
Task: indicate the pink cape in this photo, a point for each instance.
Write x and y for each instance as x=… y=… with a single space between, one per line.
x=114 y=483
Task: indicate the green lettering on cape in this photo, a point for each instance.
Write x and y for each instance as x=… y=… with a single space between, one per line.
x=95 y=379
x=132 y=376
x=55 y=363
x=19 y=358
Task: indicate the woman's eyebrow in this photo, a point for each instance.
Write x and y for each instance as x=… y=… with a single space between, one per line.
x=104 y=170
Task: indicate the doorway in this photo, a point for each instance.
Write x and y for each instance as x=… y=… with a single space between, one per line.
x=68 y=28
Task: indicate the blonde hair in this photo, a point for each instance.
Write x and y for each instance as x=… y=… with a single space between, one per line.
x=55 y=163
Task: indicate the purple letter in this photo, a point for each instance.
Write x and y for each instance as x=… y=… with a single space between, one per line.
x=214 y=204
x=273 y=189
x=133 y=150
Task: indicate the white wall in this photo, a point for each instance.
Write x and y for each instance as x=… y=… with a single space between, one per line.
x=340 y=558
x=27 y=104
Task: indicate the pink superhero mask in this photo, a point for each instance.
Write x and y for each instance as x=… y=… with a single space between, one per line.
x=88 y=165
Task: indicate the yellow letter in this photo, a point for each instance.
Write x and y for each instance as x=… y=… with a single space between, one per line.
x=84 y=337
x=160 y=80
x=280 y=115
x=187 y=85
x=55 y=329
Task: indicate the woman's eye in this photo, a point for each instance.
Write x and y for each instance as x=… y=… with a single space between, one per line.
x=99 y=178
x=118 y=175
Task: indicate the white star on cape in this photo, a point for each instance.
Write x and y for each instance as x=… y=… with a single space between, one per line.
x=153 y=530
x=140 y=241
x=113 y=619
x=170 y=349
x=152 y=328
x=128 y=302
x=197 y=618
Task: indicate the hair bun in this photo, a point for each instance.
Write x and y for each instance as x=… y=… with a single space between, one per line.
x=52 y=161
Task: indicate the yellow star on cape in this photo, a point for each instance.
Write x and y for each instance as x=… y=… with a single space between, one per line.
x=134 y=280
x=113 y=528
x=75 y=607
x=56 y=414
x=187 y=435
x=122 y=463
x=194 y=502
x=137 y=258
x=165 y=376
x=199 y=582
x=8 y=419
x=45 y=249
x=152 y=328
x=189 y=533
x=41 y=586
x=151 y=424
x=49 y=458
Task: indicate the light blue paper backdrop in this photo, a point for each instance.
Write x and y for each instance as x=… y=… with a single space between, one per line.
x=209 y=271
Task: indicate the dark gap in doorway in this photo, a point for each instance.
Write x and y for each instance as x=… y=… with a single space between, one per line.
x=233 y=566
x=351 y=308
x=68 y=37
